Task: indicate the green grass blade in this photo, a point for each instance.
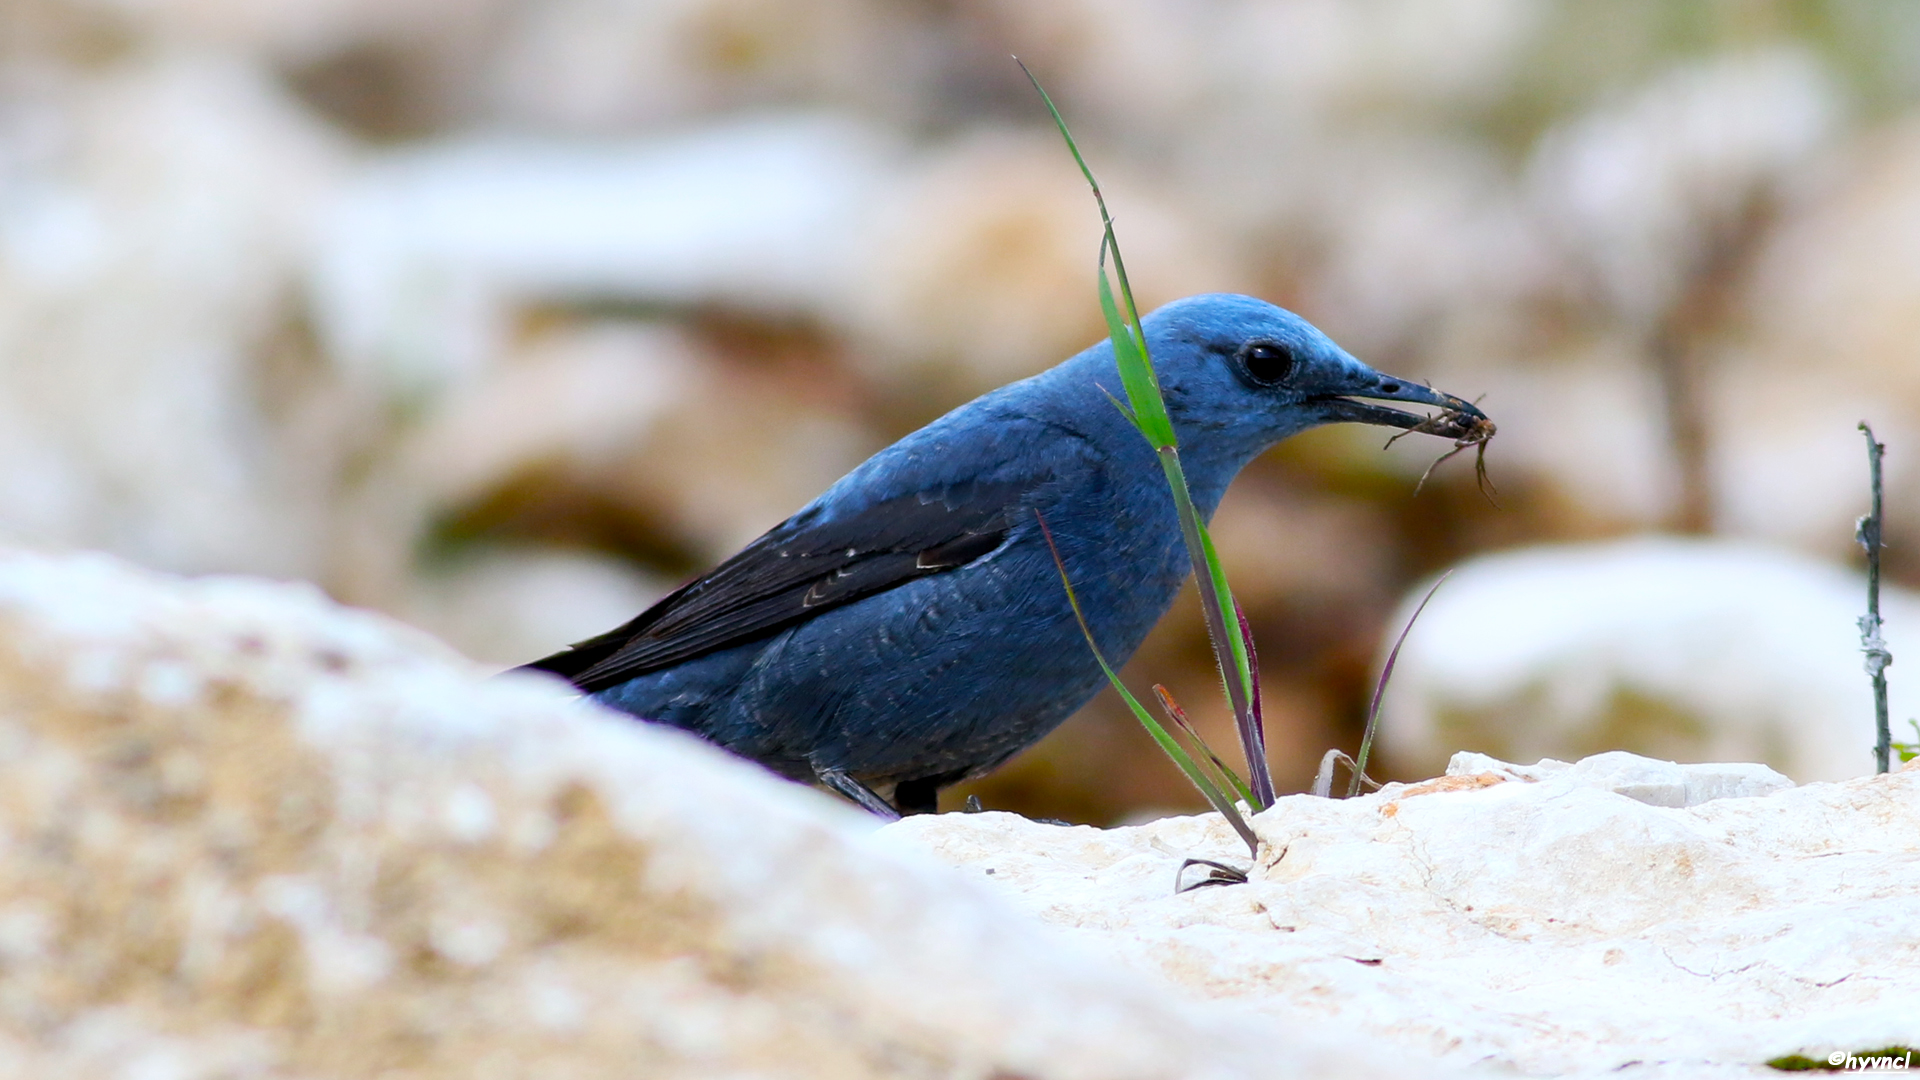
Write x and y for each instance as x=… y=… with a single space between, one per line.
x=1210 y=574
x=1122 y=406
x=1253 y=665
x=1061 y=123
x=1129 y=337
x=1223 y=597
x=1230 y=651
x=1171 y=746
x=1222 y=773
x=1136 y=368
x=1120 y=271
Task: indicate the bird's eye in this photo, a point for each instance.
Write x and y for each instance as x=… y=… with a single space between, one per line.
x=1266 y=363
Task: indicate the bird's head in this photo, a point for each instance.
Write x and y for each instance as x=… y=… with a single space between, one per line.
x=1240 y=374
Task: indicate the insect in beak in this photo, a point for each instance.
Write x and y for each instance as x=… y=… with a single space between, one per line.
x=1467 y=428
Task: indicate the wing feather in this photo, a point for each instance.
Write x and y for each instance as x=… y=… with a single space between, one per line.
x=796 y=571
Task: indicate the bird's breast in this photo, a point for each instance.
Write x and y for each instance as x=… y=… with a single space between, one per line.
x=1118 y=545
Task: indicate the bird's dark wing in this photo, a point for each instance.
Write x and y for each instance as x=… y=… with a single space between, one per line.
x=798 y=570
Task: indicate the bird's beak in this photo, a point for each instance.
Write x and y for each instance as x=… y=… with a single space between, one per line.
x=1340 y=404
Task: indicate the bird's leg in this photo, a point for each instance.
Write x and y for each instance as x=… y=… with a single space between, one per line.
x=838 y=780
x=917 y=796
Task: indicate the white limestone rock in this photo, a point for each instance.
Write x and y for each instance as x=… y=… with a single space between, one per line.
x=1615 y=916
x=1656 y=783
x=250 y=833
x=1679 y=648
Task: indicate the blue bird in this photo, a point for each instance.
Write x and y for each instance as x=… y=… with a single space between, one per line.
x=908 y=629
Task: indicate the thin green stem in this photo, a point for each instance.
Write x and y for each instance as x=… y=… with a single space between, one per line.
x=1216 y=599
x=1222 y=773
x=1208 y=789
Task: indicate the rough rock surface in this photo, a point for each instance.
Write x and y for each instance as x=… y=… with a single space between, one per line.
x=1618 y=916
x=249 y=833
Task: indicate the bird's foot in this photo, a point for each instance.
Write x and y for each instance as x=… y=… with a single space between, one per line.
x=838 y=780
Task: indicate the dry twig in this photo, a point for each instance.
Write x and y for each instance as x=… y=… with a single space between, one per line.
x=1867 y=532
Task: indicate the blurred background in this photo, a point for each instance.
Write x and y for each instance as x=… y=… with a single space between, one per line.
x=503 y=316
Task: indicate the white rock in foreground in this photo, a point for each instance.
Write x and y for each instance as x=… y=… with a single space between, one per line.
x=1609 y=917
x=247 y=833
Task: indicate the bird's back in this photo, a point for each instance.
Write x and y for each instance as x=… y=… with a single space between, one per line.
x=946 y=674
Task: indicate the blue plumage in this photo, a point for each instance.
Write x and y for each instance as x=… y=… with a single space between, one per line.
x=908 y=629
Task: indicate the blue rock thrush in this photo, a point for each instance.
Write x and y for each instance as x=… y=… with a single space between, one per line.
x=908 y=629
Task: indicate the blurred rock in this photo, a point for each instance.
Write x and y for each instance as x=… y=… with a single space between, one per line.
x=1148 y=70
x=433 y=252
x=745 y=451
x=1285 y=544
x=154 y=215
x=255 y=834
x=577 y=397
x=1585 y=417
x=1641 y=190
x=1661 y=204
x=377 y=68
x=1566 y=927
x=290 y=29
x=616 y=65
x=1835 y=313
x=498 y=294
x=509 y=605
x=642 y=438
x=980 y=264
x=1694 y=650
x=1136 y=65
x=1424 y=243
